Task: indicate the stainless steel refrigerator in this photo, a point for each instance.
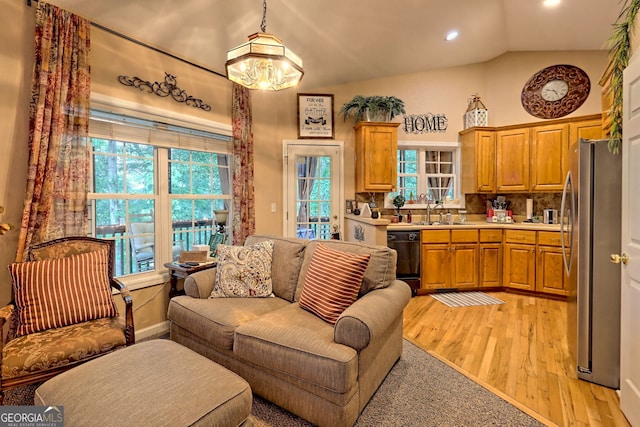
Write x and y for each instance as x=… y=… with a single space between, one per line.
x=591 y=222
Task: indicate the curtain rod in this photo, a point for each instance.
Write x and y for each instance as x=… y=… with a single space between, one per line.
x=143 y=44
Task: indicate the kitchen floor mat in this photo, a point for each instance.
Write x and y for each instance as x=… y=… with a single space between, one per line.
x=465 y=299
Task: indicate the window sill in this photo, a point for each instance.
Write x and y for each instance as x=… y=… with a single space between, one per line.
x=409 y=206
x=135 y=282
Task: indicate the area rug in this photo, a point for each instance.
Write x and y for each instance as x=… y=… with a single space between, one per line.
x=466 y=299
x=420 y=390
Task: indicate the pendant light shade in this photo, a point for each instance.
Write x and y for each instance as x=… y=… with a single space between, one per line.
x=264 y=62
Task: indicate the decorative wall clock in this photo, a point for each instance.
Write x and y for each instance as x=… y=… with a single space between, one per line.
x=555 y=91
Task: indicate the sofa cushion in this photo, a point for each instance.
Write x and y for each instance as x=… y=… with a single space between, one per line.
x=216 y=320
x=285 y=266
x=244 y=271
x=59 y=292
x=332 y=282
x=292 y=341
x=380 y=273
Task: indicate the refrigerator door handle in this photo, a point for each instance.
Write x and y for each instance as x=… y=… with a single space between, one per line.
x=568 y=186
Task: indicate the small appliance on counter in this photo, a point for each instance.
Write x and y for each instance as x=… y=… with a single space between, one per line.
x=550 y=216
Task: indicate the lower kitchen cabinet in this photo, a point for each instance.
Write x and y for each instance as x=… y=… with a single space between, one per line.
x=533 y=261
x=550 y=274
x=520 y=259
x=449 y=259
x=490 y=263
x=529 y=260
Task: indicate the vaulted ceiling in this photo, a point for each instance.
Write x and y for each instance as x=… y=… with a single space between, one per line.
x=341 y=41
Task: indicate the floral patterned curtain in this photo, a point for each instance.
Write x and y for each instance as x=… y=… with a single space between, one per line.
x=244 y=223
x=55 y=202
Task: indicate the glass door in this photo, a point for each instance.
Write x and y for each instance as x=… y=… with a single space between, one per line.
x=313 y=193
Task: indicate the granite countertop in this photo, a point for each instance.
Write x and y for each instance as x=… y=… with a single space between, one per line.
x=476 y=224
x=476 y=221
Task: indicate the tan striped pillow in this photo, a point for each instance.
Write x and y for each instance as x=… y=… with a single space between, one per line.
x=332 y=282
x=59 y=292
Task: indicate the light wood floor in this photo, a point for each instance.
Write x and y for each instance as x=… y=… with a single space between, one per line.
x=517 y=349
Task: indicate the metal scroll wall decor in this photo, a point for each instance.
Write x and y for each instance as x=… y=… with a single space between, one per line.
x=164 y=89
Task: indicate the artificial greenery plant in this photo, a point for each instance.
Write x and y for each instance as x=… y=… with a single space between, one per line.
x=375 y=106
x=619 y=54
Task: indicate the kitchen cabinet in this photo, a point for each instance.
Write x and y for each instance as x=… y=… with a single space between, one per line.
x=513 y=162
x=479 y=155
x=550 y=274
x=549 y=157
x=587 y=129
x=531 y=157
x=520 y=259
x=376 y=146
x=533 y=261
x=449 y=259
x=490 y=262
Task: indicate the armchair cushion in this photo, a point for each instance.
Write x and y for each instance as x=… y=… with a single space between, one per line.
x=59 y=292
x=332 y=282
x=53 y=348
x=244 y=271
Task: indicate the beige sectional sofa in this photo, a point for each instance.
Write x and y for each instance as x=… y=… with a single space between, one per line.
x=324 y=373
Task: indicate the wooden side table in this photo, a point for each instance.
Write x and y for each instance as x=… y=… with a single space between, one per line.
x=176 y=271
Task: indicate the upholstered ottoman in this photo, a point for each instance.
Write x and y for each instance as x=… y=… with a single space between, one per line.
x=157 y=382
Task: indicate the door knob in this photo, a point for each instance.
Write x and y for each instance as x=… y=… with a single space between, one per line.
x=615 y=258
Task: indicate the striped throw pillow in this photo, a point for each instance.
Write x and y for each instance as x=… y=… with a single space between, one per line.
x=59 y=292
x=332 y=282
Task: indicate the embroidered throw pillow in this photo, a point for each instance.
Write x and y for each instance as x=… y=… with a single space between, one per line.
x=332 y=282
x=59 y=292
x=244 y=271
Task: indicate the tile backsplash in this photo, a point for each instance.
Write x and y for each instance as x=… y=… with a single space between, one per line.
x=477 y=203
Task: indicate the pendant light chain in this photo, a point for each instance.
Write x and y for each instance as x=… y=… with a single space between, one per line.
x=263 y=25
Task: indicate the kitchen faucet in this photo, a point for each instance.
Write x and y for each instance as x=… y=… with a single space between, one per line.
x=434 y=207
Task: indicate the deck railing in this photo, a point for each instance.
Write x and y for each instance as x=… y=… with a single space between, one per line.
x=185 y=235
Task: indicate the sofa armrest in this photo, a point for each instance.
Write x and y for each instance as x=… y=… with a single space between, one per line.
x=200 y=283
x=371 y=315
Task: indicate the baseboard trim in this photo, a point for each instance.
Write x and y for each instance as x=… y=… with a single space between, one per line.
x=152 y=331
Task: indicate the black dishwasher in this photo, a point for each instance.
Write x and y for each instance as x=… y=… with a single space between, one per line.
x=407 y=244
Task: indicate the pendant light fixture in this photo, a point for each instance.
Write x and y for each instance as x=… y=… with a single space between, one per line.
x=264 y=62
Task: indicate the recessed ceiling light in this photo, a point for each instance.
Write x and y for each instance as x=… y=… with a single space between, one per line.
x=451 y=35
x=551 y=3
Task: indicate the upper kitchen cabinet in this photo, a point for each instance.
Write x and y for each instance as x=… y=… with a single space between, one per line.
x=586 y=129
x=479 y=155
x=549 y=162
x=376 y=156
x=531 y=157
x=513 y=163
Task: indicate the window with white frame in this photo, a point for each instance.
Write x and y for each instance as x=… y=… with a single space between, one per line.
x=428 y=171
x=155 y=188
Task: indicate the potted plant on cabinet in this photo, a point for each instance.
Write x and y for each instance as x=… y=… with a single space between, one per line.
x=372 y=108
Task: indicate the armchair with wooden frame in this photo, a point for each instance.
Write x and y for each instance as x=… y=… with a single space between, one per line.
x=77 y=269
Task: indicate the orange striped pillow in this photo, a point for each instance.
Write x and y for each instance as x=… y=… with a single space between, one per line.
x=59 y=292
x=332 y=282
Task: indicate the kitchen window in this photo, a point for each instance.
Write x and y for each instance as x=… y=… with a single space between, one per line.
x=155 y=189
x=428 y=171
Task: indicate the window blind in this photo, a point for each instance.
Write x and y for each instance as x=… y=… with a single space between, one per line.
x=107 y=125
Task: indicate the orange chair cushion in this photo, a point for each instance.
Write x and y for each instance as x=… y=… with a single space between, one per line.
x=59 y=292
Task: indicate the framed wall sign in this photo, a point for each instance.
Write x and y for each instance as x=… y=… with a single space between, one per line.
x=315 y=116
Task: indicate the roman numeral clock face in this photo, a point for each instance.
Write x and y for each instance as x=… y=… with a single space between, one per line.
x=555 y=91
